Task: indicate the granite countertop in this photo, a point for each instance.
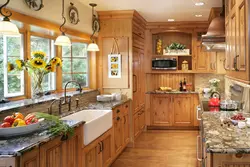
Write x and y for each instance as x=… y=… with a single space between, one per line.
x=222 y=138
x=27 y=102
x=18 y=145
x=106 y=105
x=171 y=92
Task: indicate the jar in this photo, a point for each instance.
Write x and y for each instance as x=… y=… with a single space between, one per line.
x=184 y=65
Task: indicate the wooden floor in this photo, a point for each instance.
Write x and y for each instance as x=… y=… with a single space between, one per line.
x=161 y=149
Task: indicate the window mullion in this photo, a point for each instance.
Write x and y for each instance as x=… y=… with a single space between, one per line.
x=5 y=69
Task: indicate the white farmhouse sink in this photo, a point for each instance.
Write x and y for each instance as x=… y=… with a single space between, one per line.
x=97 y=122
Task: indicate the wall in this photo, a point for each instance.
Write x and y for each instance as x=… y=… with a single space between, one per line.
x=52 y=12
x=201 y=81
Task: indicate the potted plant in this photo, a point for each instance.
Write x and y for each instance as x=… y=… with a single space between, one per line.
x=176 y=49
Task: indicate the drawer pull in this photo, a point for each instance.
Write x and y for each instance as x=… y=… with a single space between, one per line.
x=126 y=106
x=117 y=111
x=118 y=118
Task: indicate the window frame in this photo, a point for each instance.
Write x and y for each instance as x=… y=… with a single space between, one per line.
x=71 y=62
x=22 y=75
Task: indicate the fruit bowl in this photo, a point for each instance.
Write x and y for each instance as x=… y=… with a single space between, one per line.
x=21 y=130
x=237 y=118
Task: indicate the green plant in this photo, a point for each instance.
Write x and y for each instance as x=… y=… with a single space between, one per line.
x=176 y=46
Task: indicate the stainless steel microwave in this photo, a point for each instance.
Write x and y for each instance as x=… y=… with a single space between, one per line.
x=164 y=64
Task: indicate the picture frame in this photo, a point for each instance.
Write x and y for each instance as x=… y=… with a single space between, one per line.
x=114 y=66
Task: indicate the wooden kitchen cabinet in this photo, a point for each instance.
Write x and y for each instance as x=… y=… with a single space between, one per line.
x=63 y=153
x=136 y=79
x=173 y=110
x=237 y=39
x=99 y=152
x=182 y=110
x=118 y=134
x=139 y=122
x=30 y=159
x=126 y=129
x=161 y=110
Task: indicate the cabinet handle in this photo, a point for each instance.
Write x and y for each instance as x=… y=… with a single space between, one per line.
x=126 y=106
x=211 y=66
x=117 y=111
x=214 y=65
x=100 y=148
x=224 y=64
x=118 y=118
x=197 y=149
x=236 y=63
x=197 y=113
x=135 y=83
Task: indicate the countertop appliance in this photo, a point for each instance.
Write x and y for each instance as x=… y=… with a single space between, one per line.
x=168 y=63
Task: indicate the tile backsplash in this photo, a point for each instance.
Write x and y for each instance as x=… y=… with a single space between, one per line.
x=201 y=81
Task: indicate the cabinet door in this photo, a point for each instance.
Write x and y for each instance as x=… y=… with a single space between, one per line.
x=92 y=156
x=161 y=110
x=242 y=36
x=202 y=60
x=142 y=80
x=51 y=153
x=136 y=124
x=30 y=159
x=106 y=150
x=118 y=134
x=183 y=110
x=126 y=129
x=142 y=119
x=227 y=60
x=136 y=79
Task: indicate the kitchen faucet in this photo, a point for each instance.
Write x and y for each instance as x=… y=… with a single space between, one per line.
x=65 y=88
x=59 y=106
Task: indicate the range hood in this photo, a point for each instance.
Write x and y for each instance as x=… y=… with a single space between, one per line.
x=215 y=39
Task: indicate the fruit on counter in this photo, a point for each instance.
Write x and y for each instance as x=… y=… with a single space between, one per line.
x=5 y=125
x=30 y=119
x=18 y=115
x=18 y=122
x=238 y=117
x=9 y=119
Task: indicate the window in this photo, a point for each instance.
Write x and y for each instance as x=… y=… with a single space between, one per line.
x=11 y=83
x=75 y=64
x=47 y=46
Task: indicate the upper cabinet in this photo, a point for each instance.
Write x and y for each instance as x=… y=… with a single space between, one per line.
x=237 y=39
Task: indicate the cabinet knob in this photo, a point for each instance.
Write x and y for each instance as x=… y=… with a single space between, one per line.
x=126 y=106
x=118 y=118
x=117 y=111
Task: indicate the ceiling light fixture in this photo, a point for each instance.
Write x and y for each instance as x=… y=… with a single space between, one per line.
x=199 y=3
x=93 y=47
x=63 y=40
x=171 y=20
x=6 y=27
x=198 y=15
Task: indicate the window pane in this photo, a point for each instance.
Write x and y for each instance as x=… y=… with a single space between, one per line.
x=47 y=46
x=66 y=68
x=66 y=78
x=81 y=78
x=66 y=51
x=11 y=83
x=79 y=65
x=79 y=50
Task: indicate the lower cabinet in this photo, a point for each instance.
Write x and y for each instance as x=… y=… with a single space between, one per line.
x=139 y=122
x=30 y=159
x=173 y=110
x=99 y=152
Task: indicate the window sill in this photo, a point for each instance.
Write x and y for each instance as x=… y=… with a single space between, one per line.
x=28 y=102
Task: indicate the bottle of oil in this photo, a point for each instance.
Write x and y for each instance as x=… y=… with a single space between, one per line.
x=184 y=85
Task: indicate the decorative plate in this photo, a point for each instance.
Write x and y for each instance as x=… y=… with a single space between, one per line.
x=73 y=14
x=35 y=4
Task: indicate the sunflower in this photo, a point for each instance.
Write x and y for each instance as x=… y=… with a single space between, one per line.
x=10 y=67
x=19 y=63
x=56 y=61
x=37 y=63
x=39 y=54
x=50 y=68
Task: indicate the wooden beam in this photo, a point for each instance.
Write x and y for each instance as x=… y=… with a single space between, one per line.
x=47 y=24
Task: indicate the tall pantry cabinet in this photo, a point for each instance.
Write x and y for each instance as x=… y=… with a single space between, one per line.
x=237 y=39
x=130 y=25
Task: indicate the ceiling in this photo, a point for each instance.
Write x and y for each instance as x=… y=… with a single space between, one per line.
x=160 y=10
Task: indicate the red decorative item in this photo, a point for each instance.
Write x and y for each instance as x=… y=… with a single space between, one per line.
x=214 y=101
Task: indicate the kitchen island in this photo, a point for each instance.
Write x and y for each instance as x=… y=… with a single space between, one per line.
x=224 y=145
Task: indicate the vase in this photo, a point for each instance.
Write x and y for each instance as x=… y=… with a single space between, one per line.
x=37 y=89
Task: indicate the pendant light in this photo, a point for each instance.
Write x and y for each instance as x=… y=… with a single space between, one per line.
x=93 y=47
x=63 y=40
x=7 y=27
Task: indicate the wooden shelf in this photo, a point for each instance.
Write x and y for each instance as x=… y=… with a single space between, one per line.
x=177 y=72
x=171 y=56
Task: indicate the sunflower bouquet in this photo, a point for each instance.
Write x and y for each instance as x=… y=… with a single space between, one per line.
x=38 y=66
